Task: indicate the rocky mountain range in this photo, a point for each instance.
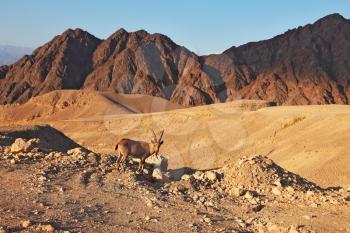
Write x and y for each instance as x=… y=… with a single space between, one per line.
x=306 y=65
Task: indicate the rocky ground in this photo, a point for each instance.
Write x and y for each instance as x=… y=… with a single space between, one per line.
x=81 y=191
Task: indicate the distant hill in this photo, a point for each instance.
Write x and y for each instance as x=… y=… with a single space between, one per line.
x=74 y=104
x=306 y=65
x=10 y=54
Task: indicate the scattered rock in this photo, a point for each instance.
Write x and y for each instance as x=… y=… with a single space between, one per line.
x=185 y=177
x=262 y=175
x=157 y=174
x=26 y=223
x=249 y=195
x=207 y=220
x=92 y=158
x=211 y=176
x=236 y=191
x=47 y=228
x=198 y=175
x=3 y=229
x=276 y=191
x=76 y=151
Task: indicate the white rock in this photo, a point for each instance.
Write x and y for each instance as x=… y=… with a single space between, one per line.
x=77 y=153
x=276 y=191
x=207 y=220
x=310 y=193
x=236 y=191
x=157 y=174
x=185 y=177
x=211 y=175
x=26 y=223
x=159 y=162
x=198 y=175
x=47 y=228
x=74 y=151
x=290 y=189
x=20 y=145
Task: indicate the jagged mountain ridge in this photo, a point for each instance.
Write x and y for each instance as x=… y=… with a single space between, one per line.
x=307 y=65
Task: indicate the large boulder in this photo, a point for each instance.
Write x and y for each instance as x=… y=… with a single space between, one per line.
x=20 y=145
x=159 y=162
x=159 y=165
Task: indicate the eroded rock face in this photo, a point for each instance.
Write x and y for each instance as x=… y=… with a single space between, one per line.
x=307 y=65
x=63 y=63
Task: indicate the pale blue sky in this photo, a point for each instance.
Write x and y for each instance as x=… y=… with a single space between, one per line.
x=203 y=26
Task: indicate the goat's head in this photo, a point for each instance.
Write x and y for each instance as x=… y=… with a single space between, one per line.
x=157 y=142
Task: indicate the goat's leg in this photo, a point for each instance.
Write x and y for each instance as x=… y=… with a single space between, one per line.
x=142 y=164
x=123 y=161
x=139 y=168
x=118 y=160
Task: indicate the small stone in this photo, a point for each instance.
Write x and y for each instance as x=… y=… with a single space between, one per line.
x=26 y=223
x=314 y=205
x=278 y=183
x=236 y=192
x=249 y=195
x=198 y=175
x=185 y=177
x=293 y=229
x=3 y=229
x=13 y=161
x=211 y=176
x=149 y=204
x=92 y=158
x=148 y=218
x=157 y=174
x=290 y=189
x=276 y=191
x=47 y=228
x=207 y=220
x=256 y=208
x=309 y=193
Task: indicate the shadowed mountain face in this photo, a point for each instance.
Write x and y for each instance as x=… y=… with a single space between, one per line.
x=308 y=65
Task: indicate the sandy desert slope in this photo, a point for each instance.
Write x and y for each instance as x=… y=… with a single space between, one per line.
x=309 y=140
x=73 y=104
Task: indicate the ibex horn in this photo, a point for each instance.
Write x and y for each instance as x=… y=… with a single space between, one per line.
x=154 y=135
x=161 y=135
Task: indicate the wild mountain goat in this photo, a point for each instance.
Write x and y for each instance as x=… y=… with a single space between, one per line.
x=138 y=149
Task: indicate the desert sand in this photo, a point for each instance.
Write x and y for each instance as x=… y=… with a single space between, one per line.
x=311 y=141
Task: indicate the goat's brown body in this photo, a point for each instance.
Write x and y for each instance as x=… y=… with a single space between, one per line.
x=137 y=149
x=133 y=148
